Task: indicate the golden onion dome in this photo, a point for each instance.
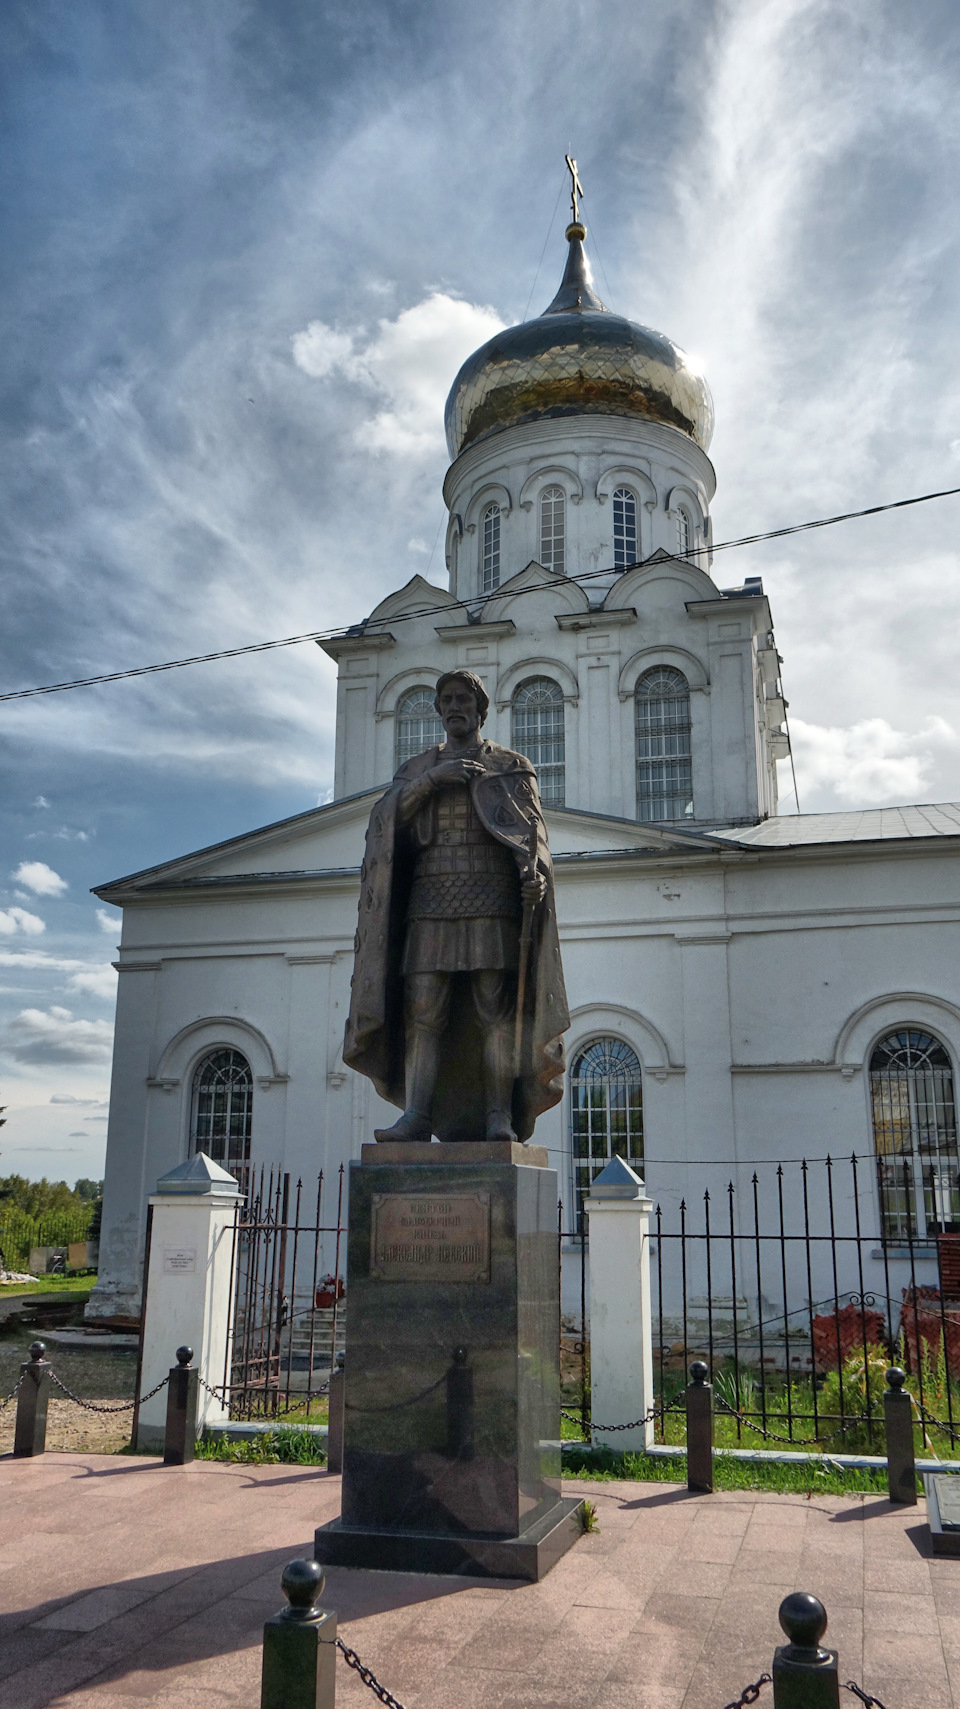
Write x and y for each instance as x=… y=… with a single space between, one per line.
x=576 y=358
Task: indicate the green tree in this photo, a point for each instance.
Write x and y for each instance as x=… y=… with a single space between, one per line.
x=86 y=1189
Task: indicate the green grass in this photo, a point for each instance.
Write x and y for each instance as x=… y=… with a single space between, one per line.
x=604 y=1466
x=81 y=1283
x=272 y=1448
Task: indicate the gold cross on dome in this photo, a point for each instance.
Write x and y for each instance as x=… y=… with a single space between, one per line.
x=576 y=188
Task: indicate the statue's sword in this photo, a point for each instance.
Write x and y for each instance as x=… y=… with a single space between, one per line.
x=526 y=936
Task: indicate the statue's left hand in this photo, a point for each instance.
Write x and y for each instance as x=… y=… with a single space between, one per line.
x=534 y=889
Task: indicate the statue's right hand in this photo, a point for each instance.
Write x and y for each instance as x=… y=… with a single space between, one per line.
x=455 y=771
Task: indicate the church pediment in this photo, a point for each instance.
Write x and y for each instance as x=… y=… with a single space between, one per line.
x=534 y=582
x=324 y=840
x=416 y=595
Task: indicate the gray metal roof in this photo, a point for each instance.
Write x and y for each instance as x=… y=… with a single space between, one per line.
x=867 y=825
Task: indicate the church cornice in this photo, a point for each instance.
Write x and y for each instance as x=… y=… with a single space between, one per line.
x=602 y=619
x=342 y=646
x=459 y=632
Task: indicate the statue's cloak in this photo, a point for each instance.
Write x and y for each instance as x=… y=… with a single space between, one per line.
x=508 y=804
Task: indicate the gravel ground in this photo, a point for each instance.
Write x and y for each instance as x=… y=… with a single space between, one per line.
x=105 y=1378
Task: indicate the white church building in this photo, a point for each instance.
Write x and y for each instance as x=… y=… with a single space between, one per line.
x=744 y=987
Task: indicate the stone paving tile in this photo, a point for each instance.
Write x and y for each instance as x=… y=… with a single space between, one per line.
x=904 y=1670
x=885 y=1611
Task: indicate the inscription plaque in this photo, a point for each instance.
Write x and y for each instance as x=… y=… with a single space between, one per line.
x=430 y=1237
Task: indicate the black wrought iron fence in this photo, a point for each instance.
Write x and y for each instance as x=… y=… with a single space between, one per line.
x=798 y=1307
x=285 y=1266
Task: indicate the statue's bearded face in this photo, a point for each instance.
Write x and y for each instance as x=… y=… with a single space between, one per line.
x=459 y=714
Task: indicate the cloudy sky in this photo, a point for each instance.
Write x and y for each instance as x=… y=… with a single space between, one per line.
x=246 y=245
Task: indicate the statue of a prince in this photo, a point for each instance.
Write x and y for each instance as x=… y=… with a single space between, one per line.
x=457 y=914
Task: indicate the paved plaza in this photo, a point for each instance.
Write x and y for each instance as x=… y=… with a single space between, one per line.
x=126 y=1584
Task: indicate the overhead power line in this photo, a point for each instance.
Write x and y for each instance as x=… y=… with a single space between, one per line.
x=446 y=608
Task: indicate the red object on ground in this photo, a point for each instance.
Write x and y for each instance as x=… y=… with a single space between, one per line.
x=922 y=1323
x=851 y=1325
x=329 y=1289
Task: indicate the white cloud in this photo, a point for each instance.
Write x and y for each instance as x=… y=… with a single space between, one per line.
x=69 y=1098
x=868 y=763
x=109 y=923
x=41 y=801
x=20 y=920
x=319 y=349
x=99 y=981
x=40 y=878
x=408 y=365
x=48 y=1036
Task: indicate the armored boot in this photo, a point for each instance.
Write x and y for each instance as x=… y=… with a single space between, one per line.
x=420 y=1077
x=498 y=1078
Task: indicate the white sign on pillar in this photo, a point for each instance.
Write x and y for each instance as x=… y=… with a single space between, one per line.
x=621 y=1331
x=189 y=1294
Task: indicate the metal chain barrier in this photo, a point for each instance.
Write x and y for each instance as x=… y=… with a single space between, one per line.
x=11 y=1396
x=369 y=1678
x=951 y=1430
x=398 y=1405
x=858 y=1691
x=91 y=1406
x=651 y=1414
x=792 y=1441
x=865 y=1697
x=750 y=1693
x=221 y=1393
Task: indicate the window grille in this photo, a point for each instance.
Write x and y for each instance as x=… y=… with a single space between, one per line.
x=915 y=1136
x=624 y=528
x=490 y=565
x=606 y=1102
x=664 y=766
x=552 y=528
x=418 y=725
x=223 y=1112
x=683 y=532
x=538 y=733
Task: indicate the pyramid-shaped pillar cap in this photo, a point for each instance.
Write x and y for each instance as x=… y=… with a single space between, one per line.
x=617 y=1181
x=199 y=1174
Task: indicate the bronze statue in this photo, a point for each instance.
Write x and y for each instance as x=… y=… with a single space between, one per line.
x=457 y=922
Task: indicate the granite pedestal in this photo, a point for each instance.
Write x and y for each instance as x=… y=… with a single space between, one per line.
x=451 y=1436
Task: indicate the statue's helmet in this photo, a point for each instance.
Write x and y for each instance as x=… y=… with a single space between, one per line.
x=473 y=683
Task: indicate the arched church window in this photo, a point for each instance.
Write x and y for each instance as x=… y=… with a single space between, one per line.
x=624 y=527
x=606 y=1104
x=664 y=767
x=553 y=529
x=538 y=733
x=490 y=549
x=683 y=532
x=223 y=1111
x=915 y=1136
x=418 y=726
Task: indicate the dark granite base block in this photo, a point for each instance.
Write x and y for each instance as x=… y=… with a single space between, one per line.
x=529 y=1556
x=943 y=1542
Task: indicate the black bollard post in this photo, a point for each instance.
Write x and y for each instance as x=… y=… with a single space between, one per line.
x=460 y=1408
x=335 y=1417
x=700 y=1430
x=30 y=1431
x=180 y=1435
x=804 y=1675
x=300 y=1645
x=898 y=1421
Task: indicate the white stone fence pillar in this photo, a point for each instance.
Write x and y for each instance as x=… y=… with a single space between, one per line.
x=621 y=1329
x=189 y=1294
